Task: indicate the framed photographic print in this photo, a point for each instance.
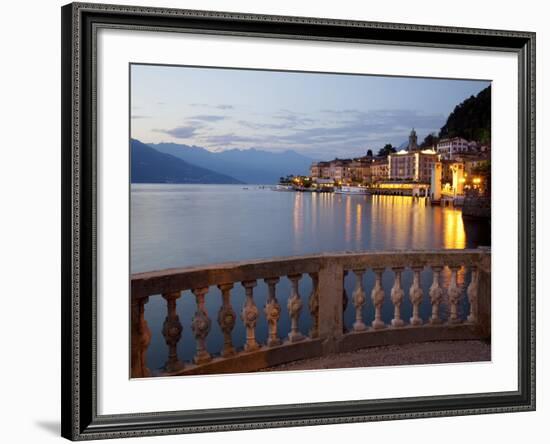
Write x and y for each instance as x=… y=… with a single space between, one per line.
x=276 y=221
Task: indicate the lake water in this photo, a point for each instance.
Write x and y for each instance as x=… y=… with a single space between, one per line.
x=184 y=225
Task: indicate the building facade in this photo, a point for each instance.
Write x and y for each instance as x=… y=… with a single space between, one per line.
x=379 y=169
x=342 y=170
x=319 y=170
x=448 y=149
x=411 y=164
x=414 y=166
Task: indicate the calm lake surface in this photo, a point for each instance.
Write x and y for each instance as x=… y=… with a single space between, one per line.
x=188 y=225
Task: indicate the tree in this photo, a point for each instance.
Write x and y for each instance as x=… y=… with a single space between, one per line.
x=387 y=150
x=429 y=141
x=369 y=153
x=471 y=119
x=483 y=169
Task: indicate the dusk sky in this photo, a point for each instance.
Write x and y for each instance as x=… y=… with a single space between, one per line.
x=321 y=116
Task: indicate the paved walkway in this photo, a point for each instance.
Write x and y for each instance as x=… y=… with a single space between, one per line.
x=408 y=354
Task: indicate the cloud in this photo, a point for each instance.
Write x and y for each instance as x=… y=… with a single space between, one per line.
x=231 y=139
x=294 y=118
x=353 y=131
x=283 y=119
x=342 y=129
x=180 y=132
x=262 y=125
x=323 y=135
x=208 y=118
x=222 y=106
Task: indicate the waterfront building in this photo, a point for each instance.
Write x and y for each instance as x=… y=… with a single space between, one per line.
x=315 y=170
x=359 y=170
x=339 y=170
x=448 y=149
x=472 y=163
x=458 y=178
x=323 y=185
x=435 y=183
x=446 y=172
x=342 y=170
x=412 y=165
x=319 y=170
x=379 y=169
x=401 y=188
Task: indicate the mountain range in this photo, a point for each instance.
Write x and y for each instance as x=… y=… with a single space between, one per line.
x=151 y=166
x=250 y=166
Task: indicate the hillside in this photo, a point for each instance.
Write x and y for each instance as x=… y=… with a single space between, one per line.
x=471 y=119
x=150 y=166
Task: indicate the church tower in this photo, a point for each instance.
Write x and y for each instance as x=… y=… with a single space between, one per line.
x=413 y=142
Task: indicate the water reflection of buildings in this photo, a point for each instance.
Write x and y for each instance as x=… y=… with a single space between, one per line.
x=454 y=234
x=358 y=224
x=298 y=220
x=376 y=222
x=394 y=213
x=348 y=220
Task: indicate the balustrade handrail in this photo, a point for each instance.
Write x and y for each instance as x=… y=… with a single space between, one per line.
x=327 y=303
x=149 y=283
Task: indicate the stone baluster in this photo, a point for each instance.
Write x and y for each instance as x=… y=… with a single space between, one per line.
x=141 y=337
x=472 y=295
x=249 y=316
x=397 y=296
x=454 y=297
x=272 y=312
x=345 y=302
x=226 y=320
x=416 y=295
x=171 y=330
x=201 y=327
x=313 y=304
x=294 y=307
x=359 y=298
x=377 y=296
x=436 y=296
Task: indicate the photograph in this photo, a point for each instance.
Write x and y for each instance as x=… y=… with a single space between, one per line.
x=294 y=220
x=280 y=218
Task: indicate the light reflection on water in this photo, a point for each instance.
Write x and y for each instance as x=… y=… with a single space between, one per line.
x=184 y=225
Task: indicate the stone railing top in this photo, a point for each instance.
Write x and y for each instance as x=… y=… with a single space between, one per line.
x=179 y=279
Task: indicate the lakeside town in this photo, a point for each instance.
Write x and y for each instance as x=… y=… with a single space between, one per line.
x=377 y=233
x=446 y=172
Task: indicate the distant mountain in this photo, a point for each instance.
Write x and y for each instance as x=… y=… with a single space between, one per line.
x=152 y=166
x=250 y=166
x=403 y=146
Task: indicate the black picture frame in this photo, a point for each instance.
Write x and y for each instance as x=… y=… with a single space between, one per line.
x=79 y=386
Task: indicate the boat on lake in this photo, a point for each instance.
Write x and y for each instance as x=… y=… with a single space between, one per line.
x=283 y=187
x=351 y=190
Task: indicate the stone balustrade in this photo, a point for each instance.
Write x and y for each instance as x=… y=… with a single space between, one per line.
x=326 y=304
